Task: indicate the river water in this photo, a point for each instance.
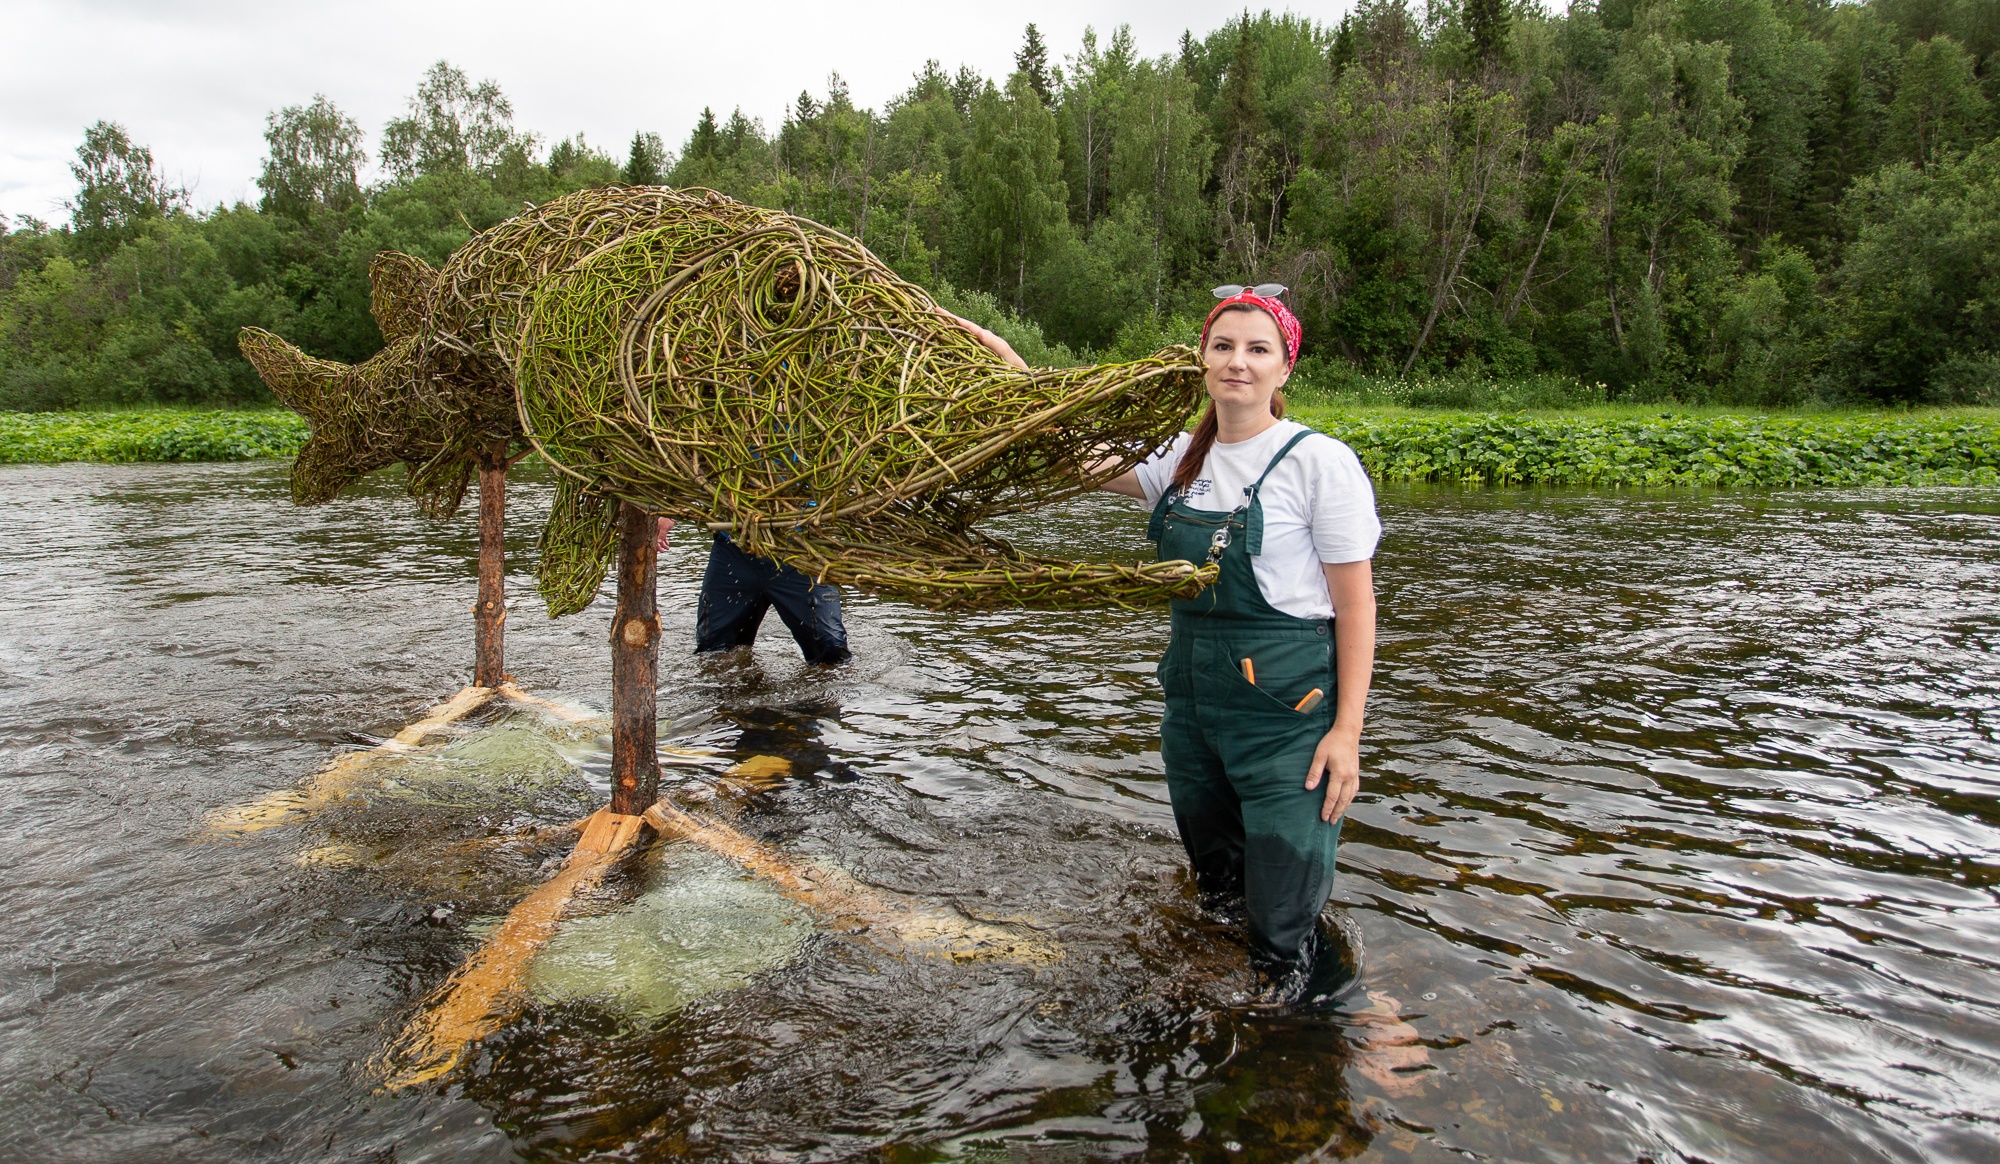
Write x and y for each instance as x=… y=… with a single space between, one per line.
x=1680 y=841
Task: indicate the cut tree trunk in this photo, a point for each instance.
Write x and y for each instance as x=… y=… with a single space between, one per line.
x=489 y=615
x=635 y=663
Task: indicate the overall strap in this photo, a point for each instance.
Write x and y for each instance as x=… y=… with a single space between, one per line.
x=1253 y=525
x=1156 y=526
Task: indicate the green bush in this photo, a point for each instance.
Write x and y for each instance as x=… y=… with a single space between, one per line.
x=1753 y=451
x=148 y=436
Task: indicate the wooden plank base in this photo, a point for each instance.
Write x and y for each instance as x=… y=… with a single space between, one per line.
x=485 y=993
x=889 y=920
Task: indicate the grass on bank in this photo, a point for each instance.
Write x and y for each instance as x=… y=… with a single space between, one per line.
x=1605 y=444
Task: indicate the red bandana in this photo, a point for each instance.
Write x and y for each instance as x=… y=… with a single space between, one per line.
x=1287 y=322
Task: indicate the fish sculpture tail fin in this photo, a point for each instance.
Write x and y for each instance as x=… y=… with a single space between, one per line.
x=319 y=391
x=308 y=386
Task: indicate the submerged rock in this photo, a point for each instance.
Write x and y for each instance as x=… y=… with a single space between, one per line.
x=704 y=927
x=503 y=765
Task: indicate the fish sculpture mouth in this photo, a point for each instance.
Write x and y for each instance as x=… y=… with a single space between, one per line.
x=746 y=370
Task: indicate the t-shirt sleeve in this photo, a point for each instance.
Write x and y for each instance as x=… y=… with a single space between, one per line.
x=1156 y=473
x=1344 y=525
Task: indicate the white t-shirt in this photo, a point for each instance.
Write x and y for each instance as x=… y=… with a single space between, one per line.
x=1318 y=507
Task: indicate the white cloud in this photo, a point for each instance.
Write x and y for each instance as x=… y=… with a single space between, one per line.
x=195 y=79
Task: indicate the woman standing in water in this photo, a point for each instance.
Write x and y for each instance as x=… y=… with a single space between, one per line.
x=1267 y=671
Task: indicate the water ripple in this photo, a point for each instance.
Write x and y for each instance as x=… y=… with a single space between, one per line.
x=1681 y=841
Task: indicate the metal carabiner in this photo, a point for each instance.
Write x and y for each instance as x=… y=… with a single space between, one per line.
x=1218 y=542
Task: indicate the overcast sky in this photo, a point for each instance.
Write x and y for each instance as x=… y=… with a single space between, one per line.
x=194 y=79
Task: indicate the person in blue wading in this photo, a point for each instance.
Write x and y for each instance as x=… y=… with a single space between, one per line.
x=739 y=588
x=1266 y=672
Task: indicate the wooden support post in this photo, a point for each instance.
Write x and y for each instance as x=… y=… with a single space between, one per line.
x=489 y=614
x=635 y=662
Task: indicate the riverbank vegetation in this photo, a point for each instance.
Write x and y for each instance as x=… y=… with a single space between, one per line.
x=1614 y=444
x=1754 y=202
x=1613 y=447
x=157 y=434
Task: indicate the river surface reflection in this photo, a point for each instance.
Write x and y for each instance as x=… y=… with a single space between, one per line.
x=1680 y=842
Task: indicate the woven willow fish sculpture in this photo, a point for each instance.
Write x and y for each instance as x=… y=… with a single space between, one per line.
x=739 y=367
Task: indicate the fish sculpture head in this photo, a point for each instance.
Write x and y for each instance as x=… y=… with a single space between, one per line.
x=743 y=369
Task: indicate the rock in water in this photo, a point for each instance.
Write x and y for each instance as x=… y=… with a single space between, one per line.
x=704 y=927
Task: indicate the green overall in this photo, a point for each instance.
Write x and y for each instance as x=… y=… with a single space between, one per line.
x=1237 y=752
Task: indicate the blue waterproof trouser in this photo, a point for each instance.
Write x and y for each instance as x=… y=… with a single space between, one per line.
x=739 y=588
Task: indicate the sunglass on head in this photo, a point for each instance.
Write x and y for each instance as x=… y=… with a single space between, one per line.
x=1261 y=290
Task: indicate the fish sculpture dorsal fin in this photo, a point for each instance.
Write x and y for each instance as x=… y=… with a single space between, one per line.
x=400 y=299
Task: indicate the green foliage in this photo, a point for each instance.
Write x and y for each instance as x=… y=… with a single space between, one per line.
x=1457 y=447
x=1731 y=451
x=575 y=164
x=118 y=189
x=1921 y=285
x=148 y=436
x=152 y=321
x=1486 y=27
x=1014 y=193
x=314 y=161
x=1024 y=335
x=646 y=163
x=453 y=127
x=1321 y=384
x=734 y=159
x=1032 y=62
x=1756 y=202
x=140 y=300
x=1938 y=108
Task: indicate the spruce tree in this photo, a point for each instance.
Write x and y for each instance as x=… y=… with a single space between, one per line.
x=702 y=144
x=642 y=165
x=1033 y=60
x=1486 y=26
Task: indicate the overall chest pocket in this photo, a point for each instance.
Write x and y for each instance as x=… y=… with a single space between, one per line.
x=1287 y=667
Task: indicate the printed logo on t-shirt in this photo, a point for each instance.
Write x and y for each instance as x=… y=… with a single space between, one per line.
x=1200 y=487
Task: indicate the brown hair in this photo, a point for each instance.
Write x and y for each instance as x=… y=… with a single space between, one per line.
x=1203 y=438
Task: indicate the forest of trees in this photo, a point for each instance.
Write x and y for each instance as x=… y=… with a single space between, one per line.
x=1759 y=202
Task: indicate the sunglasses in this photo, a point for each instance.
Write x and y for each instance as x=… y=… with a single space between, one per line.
x=1261 y=290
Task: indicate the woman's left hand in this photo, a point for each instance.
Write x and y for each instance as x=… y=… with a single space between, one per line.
x=987 y=339
x=1338 y=759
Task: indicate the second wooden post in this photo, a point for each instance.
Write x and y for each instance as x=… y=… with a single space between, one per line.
x=489 y=614
x=635 y=664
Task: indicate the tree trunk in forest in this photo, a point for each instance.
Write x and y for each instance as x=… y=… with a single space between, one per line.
x=1528 y=276
x=489 y=614
x=635 y=663
x=1613 y=159
x=867 y=183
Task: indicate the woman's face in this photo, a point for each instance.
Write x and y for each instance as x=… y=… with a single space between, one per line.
x=1246 y=358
